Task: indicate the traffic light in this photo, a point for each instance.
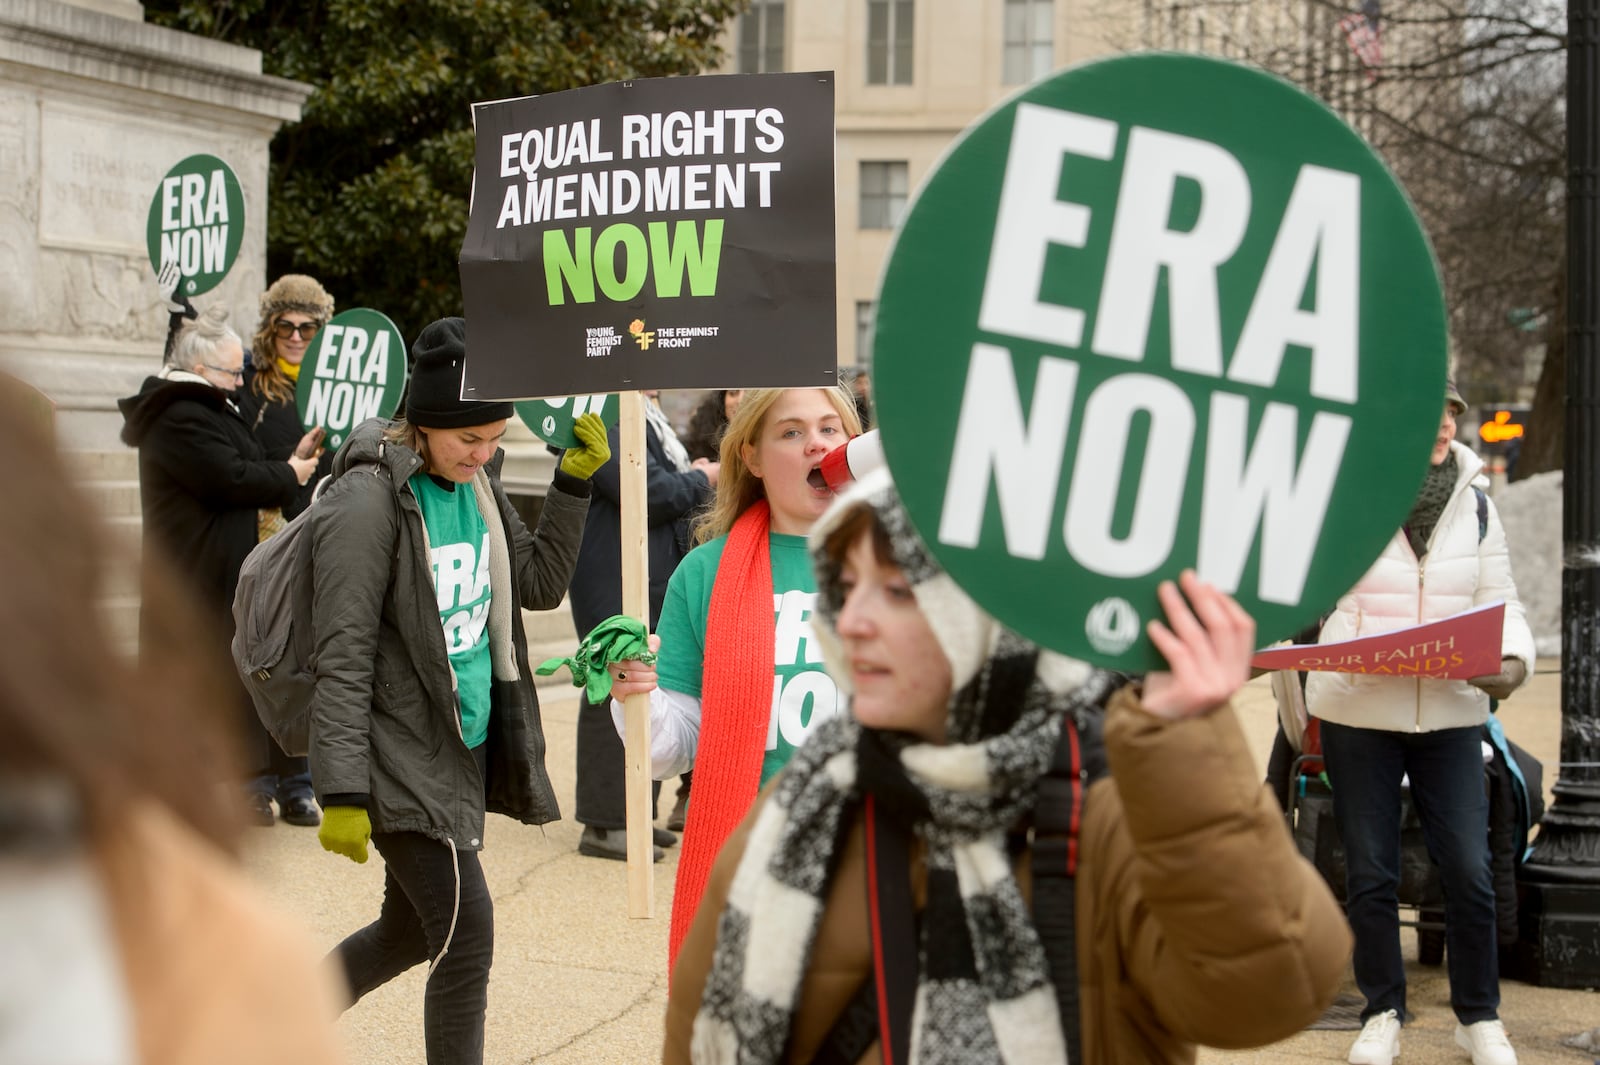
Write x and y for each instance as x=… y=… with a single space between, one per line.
x=1502 y=426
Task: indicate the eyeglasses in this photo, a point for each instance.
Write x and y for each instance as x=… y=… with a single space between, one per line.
x=228 y=371
x=284 y=330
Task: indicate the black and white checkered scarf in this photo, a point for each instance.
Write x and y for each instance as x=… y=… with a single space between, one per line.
x=984 y=993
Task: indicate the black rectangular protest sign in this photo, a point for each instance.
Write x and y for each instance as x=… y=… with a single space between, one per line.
x=657 y=233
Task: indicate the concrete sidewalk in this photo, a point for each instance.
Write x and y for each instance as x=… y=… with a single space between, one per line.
x=576 y=981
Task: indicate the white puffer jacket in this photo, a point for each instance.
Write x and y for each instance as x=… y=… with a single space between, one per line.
x=1458 y=573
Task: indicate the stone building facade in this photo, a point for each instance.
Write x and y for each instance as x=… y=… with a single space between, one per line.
x=909 y=77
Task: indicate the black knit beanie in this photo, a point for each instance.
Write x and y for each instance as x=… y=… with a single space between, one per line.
x=433 y=397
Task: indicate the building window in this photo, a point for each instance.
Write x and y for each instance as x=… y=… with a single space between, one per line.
x=890 y=25
x=1030 y=40
x=865 y=310
x=761 y=38
x=883 y=194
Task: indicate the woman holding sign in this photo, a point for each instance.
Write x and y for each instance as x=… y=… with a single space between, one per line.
x=1200 y=922
x=424 y=716
x=293 y=309
x=741 y=681
x=1449 y=556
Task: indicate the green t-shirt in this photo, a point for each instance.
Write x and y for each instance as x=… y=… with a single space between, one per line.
x=803 y=695
x=458 y=540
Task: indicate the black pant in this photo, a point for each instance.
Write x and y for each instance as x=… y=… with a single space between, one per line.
x=419 y=887
x=602 y=785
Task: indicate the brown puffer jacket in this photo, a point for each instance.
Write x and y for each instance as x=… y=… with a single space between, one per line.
x=1198 y=922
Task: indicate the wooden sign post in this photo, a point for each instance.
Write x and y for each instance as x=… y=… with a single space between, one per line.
x=636 y=603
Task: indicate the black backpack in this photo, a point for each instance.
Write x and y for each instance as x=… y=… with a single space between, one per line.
x=272 y=636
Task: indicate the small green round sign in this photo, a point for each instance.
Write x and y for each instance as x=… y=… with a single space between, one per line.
x=1156 y=312
x=354 y=369
x=197 y=220
x=551 y=419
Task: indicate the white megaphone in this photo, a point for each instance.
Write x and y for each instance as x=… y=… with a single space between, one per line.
x=860 y=456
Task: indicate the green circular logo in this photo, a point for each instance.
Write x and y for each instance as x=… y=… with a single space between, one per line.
x=1157 y=312
x=197 y=220
x=551 y=419
x=354 y=369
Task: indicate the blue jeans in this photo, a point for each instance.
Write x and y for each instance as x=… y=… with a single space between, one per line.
x=1365 y=767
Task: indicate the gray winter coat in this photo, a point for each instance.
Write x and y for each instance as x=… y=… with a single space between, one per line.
x=385 y=731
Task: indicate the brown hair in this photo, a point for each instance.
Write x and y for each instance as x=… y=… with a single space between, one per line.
x=76 y=707
x=706 y=424
x=862 y=519
x=400 y=431
x=737 y=487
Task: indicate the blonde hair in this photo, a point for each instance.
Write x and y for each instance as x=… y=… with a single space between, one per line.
x=737 y=487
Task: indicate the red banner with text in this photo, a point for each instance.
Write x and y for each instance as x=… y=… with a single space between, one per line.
x=1458 y=647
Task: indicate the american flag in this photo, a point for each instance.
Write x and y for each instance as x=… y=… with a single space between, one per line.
x=1361 y=30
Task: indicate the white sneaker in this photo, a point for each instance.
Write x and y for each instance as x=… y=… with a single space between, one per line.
x=1379 y=1040
x=1487 y=1043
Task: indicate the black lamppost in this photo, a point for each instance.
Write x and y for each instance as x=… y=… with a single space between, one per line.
x=1559 y=887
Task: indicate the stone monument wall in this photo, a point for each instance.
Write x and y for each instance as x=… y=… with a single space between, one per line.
x=95 y=108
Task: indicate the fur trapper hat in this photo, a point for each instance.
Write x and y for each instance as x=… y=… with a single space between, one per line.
x=299 y=293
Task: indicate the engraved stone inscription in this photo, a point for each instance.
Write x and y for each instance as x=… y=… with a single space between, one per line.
x=97 y=177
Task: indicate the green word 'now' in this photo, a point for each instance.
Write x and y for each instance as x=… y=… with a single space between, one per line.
x=577 y=266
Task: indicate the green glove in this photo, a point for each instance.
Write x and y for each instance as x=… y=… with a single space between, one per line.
x=345 y=830
x=618 y=638
x=593 y=450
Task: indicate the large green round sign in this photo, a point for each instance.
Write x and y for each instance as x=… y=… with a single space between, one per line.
x=353 y=370
x=197 y=220
x=551 y=419
x=1156 y=312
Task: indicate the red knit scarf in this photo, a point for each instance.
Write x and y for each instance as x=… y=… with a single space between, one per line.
x=735 y=707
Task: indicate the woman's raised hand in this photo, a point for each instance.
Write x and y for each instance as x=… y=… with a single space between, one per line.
x=1208 y=641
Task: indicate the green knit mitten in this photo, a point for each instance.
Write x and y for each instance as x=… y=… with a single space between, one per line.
x=345 y=830
x=593 y=450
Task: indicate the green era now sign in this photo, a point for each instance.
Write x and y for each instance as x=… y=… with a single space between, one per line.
x=1156 y=312
x=354 y=369
x=196 y=220
x=551 y=420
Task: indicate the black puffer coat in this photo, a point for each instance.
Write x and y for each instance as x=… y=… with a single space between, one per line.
x=202 y=477
x=385 y=731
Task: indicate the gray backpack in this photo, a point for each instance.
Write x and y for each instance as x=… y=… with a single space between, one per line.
x=273 y=642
